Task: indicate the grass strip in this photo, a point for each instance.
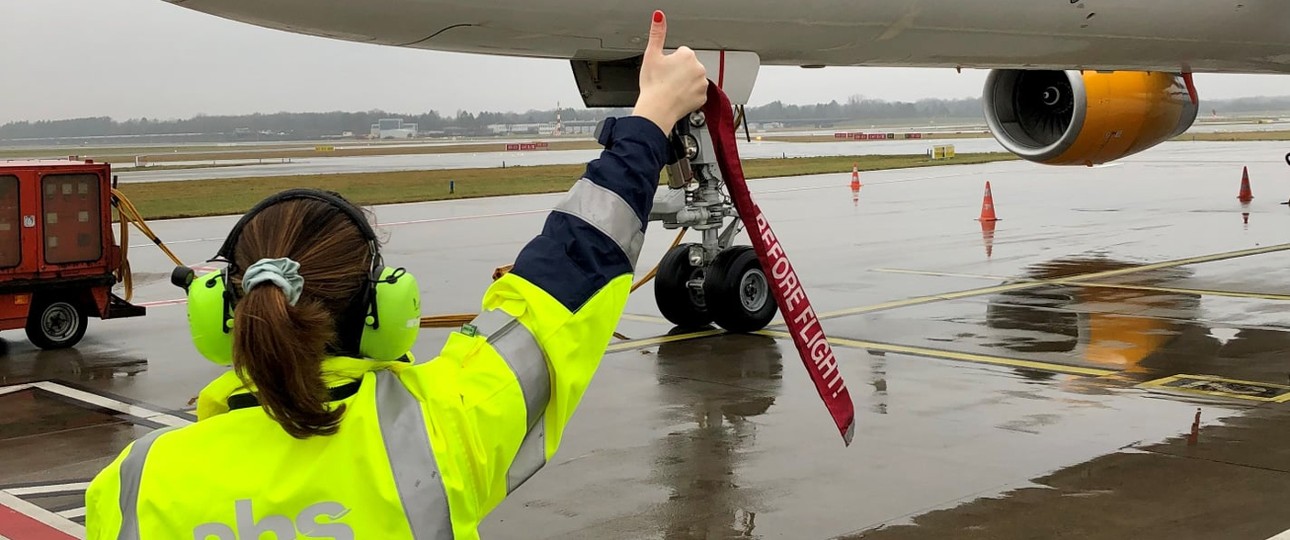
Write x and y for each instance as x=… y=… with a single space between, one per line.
x=162 y=200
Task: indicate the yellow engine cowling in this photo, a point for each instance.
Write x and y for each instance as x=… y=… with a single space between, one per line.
x=1086 y=118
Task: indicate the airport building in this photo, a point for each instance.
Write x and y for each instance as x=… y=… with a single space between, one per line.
x=571 y=127
x=393 y=128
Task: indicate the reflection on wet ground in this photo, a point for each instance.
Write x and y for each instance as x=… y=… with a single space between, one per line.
x=713 y=426
x=22 y=363
x=1109 y=327
x=1143 y=329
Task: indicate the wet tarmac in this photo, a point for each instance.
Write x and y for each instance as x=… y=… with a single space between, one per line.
x=1014 y=381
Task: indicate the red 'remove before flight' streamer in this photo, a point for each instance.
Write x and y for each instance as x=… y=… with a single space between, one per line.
x=804 y=326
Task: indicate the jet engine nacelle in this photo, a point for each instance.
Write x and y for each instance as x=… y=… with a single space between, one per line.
x=1086 y=118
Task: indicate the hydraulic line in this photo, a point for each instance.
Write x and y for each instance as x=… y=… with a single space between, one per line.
x=128 y=213
x=458 y=319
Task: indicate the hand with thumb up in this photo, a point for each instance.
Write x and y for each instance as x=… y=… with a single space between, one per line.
x=671 y=85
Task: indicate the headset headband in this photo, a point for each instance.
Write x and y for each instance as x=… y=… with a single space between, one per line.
x=350 y=322
x=225 y=253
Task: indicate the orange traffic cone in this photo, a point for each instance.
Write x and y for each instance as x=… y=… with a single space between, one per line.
x=855 y=177
x=987 y=206
x=1246 y=195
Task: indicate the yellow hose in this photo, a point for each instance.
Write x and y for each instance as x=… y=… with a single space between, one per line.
x=455 y=320
x=128 y=213
x=654 y=271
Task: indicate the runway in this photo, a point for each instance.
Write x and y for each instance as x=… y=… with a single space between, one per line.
x=1035 y=380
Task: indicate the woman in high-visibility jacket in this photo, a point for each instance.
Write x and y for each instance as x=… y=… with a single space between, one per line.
x=324 y=429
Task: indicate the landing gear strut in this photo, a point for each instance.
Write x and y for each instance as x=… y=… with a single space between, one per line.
x=712 y=280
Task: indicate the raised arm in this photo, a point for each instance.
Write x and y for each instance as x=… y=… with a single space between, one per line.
x=507 y=384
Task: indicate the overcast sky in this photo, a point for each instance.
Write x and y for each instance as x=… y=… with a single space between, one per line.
x=133 y=58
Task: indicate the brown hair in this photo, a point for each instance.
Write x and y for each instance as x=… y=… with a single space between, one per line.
x=280 y=347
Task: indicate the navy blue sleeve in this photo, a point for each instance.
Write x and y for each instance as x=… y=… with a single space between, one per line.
x=635 y=153
x=572 y=259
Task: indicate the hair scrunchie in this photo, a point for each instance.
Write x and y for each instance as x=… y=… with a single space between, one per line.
x=284 y=273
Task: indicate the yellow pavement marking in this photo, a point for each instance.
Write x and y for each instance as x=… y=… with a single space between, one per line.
x=1164 y=384
x=649 y=342
x=935 y=273
x=1081 y=283
x=925 y=300
x=885 y=347
x=959 y=356
x=645 y=318
x=1032 y=284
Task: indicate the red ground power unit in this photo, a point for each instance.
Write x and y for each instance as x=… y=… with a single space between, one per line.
x=58 y=257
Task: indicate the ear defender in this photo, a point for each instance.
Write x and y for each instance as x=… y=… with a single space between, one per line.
x=390 y=327
x=210 y=318
x=388 y=307
x=393 y=320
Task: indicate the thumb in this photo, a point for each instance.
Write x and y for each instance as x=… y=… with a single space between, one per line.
x=657 y=35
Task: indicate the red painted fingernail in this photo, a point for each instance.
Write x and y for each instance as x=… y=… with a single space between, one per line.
x=658 y=16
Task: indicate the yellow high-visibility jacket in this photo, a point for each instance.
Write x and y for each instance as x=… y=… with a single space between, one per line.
x=423 y=451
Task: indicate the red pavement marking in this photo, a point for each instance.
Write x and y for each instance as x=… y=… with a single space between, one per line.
x=161 y=303
x=17 y=525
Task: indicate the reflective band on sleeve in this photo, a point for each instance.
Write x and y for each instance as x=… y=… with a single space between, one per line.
x=608 y=212
x=407 y=444
x=530 y=458
x=521 y=351
x=131 y=476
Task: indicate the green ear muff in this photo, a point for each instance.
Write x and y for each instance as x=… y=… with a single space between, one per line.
x=209 y=318
x=390 y=329
x=394 y=322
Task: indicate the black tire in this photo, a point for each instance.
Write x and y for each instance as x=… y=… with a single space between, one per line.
x=738 y=292
x=680 y=304
x=56 y=323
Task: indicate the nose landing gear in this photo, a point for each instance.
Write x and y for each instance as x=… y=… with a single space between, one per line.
x=713 y=280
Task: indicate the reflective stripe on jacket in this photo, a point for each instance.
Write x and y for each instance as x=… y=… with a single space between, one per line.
x=423 y=451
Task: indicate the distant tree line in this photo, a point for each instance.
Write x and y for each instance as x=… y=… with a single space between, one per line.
x=298 y=126
x=283 y=124
x=858 y=108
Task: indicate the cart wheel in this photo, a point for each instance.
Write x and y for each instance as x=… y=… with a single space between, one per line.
x=56 y=324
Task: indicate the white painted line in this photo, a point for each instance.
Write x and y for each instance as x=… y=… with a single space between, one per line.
x=460 y=218
x=1283 y=536
x=171 y=243
x=108 y=403
x=37 y=513
x=15 y=388
x=73 y=513
x=51 y=488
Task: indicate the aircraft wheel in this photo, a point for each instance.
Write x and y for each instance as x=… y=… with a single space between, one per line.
x=681 y=304
x=55 y=323
x=738 y=291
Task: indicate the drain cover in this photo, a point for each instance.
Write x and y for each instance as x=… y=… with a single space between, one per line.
x=1217 y=386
